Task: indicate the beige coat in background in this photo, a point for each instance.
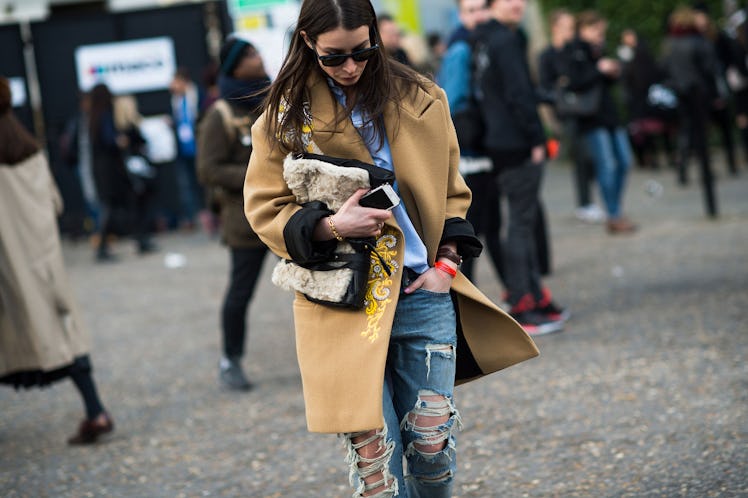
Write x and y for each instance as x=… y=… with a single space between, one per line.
x=40 y=325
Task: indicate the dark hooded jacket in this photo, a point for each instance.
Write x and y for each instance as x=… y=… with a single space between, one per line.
x=506 y=93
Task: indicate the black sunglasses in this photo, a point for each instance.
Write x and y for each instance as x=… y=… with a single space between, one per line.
x=337 y=59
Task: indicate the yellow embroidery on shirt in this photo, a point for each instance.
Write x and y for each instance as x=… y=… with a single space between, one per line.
x=378 y=293
x=307 y=129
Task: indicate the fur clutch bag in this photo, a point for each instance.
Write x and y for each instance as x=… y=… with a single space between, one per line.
x=342 y=280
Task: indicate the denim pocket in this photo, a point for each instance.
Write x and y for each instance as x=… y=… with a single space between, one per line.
x=432 y=293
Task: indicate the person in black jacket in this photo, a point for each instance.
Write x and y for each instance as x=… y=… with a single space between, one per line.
x=455 y=78
x=515 y=142
x=109 y=173
x=141 y=173
x=646 y=122
x=738 y=74
x=552 y=75
x=224 y=147
x=721 y=112
x=606 y=138
x=691 y=64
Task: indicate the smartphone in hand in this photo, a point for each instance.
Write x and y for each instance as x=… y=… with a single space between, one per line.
x=382 y=197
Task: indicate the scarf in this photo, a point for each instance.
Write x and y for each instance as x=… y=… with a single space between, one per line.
x=241 y=93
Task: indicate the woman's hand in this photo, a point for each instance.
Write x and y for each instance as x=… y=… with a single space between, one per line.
x=538 y=154
x=433 y=280
x=353 y=220
x=609 y=67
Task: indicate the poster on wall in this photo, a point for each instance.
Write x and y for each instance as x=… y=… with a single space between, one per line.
x=17 y=92
x=127 y=67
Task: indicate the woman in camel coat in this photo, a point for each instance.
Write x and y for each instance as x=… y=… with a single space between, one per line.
x=384 y=375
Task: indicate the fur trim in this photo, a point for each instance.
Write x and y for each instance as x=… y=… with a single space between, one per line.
x=329 y=285
x=322 y=285
x=314 y=180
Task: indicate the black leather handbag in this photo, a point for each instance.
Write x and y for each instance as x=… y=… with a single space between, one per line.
x=580 y=104
x=359 y=263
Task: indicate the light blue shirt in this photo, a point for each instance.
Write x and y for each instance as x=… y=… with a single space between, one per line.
x=416 y=256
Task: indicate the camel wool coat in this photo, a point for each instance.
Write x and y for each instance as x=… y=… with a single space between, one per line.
x=40 y=324
x=342 y=353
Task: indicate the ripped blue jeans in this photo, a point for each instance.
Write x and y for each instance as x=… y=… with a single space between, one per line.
x=419 y=412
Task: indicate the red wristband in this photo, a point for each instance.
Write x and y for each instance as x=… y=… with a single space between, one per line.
x=441 y=265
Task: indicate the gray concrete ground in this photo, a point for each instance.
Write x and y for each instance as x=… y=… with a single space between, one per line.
x=644 y=394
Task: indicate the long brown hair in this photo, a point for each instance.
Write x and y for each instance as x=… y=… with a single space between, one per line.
x=381 y=82
x=102 y=104
x=16 y=143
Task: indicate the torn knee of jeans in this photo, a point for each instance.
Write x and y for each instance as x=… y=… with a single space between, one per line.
x=445 y=350
x=432 y=420
x=369 y=463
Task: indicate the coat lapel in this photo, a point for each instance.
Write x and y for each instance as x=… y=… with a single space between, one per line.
x=334 y=139
x=421 y=186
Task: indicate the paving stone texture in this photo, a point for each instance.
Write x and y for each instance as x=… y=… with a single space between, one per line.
x=645 y=394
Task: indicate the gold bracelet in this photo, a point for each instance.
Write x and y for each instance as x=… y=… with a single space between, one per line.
x=334 y=230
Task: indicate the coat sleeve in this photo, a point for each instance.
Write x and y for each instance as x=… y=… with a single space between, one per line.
x=268 y=202
x=456 y=227
x=271 y=208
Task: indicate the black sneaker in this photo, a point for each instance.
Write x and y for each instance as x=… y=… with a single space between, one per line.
x=554 y=312
x=536 y=323
x=547 y=306
x=232 y=376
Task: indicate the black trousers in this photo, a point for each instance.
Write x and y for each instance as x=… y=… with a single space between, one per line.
x=723 y=118
x=143 y=214
x=521 y=186
x=485 y=216
x=694 y=109
x=584 y=166
x=246 y=265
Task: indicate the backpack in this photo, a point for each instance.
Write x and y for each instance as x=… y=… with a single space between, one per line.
x=468 y=120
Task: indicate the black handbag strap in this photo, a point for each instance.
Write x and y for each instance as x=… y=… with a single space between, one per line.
x=359 y=260
x=377 y=175
x=373 y=249
x=340 y=261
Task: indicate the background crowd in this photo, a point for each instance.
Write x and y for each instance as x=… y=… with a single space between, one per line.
x=660 y=107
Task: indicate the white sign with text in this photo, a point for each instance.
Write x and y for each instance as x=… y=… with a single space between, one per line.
x=127 y=67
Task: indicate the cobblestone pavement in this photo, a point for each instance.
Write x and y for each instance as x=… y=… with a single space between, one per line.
x=644 y=394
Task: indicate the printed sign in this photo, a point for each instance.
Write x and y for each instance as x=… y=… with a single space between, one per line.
x=242 y=6
x=17 y=92
x=127 y=67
